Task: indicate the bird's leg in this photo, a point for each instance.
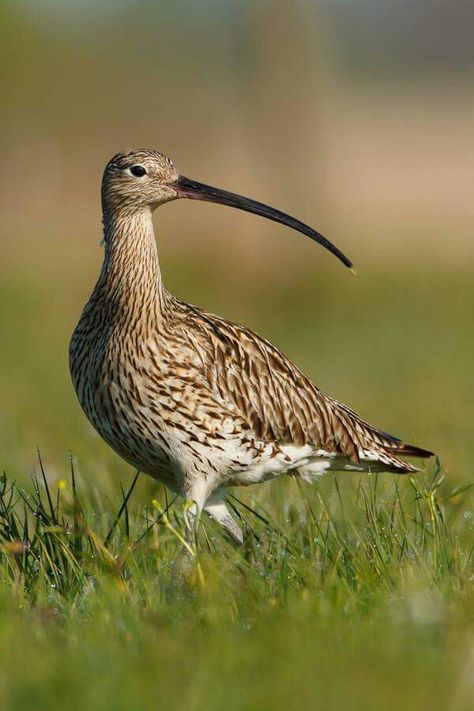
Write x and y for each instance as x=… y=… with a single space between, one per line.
x=192 y=515
x=183 y=565
x=216 y=508
x=195 y=493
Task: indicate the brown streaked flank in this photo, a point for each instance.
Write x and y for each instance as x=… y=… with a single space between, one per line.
x=193 y=400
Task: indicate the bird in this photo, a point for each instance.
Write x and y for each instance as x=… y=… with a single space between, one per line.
x=192 y=399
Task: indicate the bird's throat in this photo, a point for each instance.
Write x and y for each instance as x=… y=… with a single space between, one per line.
x=130 y=279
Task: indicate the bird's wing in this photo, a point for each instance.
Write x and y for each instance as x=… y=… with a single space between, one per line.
x=282 y=405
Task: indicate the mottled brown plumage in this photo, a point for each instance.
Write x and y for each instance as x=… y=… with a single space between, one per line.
x=196 y=401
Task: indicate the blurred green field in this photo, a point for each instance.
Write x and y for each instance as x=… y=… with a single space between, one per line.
x=351 y=597
x=357 y=592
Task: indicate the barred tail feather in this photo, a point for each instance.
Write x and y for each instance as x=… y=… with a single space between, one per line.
x=376 y=449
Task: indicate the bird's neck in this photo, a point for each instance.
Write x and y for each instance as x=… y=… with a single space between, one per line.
x=130 y=279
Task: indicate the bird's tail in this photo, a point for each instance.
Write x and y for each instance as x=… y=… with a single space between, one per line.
x=393 y=451
x=372 y=445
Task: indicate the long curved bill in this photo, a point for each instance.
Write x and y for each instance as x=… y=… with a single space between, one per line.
x=187 y=188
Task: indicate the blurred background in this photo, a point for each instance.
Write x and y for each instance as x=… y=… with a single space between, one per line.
x=356 y=117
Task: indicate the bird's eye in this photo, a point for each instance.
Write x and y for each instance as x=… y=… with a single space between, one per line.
x=138 y=171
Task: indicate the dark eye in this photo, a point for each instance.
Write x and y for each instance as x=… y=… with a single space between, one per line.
x=138 y=171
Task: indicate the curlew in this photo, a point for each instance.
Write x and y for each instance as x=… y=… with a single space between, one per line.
x=196 y=401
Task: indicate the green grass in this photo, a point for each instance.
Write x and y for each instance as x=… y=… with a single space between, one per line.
x=353 y=592
x=356 y=592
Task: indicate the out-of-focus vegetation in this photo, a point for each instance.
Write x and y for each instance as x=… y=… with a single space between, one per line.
x=356 y=118
x=345 y=596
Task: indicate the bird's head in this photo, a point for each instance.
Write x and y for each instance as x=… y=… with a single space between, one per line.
x=144 y=179
x=138 y=179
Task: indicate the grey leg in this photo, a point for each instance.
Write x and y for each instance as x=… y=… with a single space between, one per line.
x=216 y=508
x=192 y=517
x=183 y=564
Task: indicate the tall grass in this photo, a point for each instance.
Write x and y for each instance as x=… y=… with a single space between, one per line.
x=355 y=592
x=367 y=536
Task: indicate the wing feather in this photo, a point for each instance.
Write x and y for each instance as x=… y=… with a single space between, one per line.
x=282 y=405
